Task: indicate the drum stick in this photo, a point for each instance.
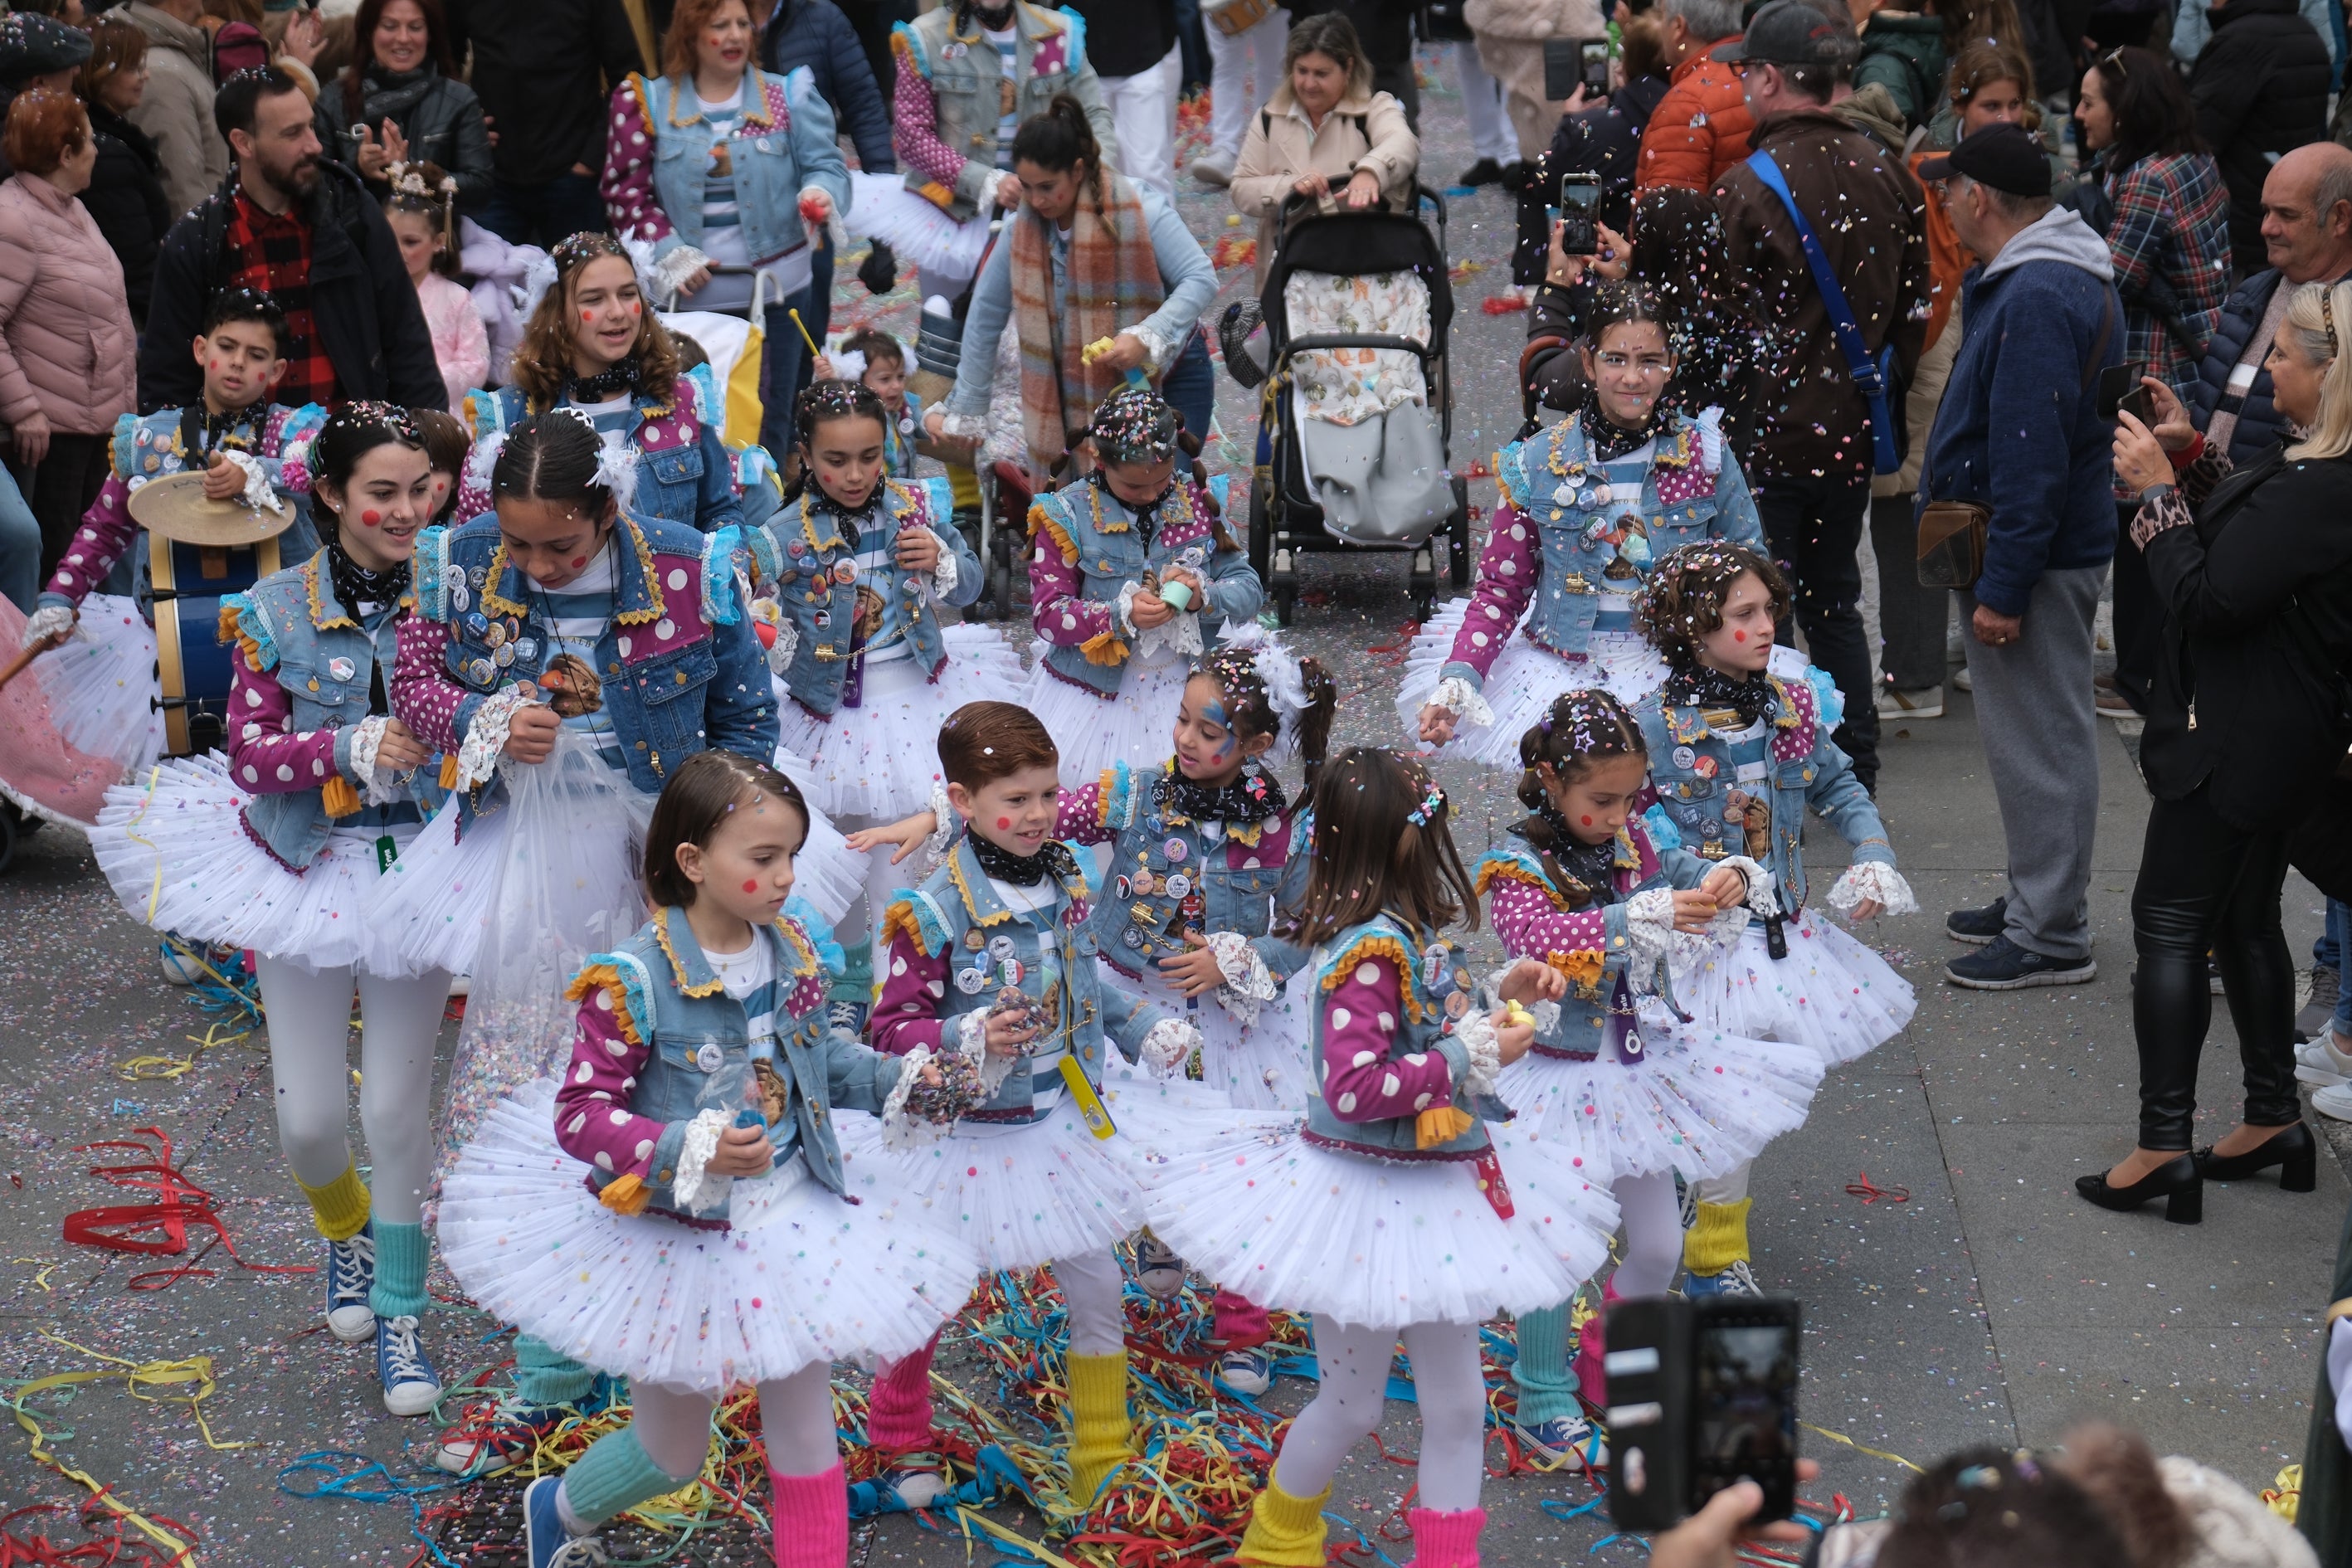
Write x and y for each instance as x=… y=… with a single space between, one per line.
x=795 y=315
x=17 y=666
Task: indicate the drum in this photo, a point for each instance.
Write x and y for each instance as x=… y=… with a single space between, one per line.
x=192 y=663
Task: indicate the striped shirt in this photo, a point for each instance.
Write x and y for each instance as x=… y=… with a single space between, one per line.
x=576 y=617
x=1008 y=55
x=750 y=977
x=724 y=118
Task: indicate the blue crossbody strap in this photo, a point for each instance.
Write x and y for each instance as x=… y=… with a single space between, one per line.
x=1869 y=377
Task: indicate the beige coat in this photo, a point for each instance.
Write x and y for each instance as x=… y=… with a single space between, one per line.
x=1361 y=132
x=178 y=109
x=66 y=346
x=1511 y=35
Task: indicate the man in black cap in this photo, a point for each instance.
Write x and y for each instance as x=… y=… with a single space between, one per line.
x=2020 y=434
x=36 y=51
x=1812 y=461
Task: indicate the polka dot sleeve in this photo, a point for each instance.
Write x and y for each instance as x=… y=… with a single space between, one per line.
x=630 y=205
x=105 y=532
x=265 y=754
x=908 y=1015
x=1061 y=617
x=1361 y=1082
x=435 y=709
x=1507 y=569
x=1530 y=927
x=592 y=1120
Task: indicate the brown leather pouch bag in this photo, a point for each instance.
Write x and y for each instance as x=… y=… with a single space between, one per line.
x=1952 y=543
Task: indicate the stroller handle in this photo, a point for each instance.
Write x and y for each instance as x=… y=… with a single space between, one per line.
x=761 y=283
x=1314 y=341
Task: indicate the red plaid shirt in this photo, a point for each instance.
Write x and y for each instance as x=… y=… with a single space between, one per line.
x=273 y=254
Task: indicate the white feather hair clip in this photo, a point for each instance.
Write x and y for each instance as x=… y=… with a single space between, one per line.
x=1277 y=666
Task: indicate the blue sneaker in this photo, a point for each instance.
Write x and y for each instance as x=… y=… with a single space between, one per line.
x=489 y=1439
x=548 y=1544
x=2002 y=966
x=1566 y=1444
x=411 y=1387
x=351 y=1275
x=846 y=1018
x=1737 y=1281
x=1249 y=1369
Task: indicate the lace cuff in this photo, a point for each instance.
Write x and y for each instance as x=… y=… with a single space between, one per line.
x=695 y=1190
x=1876 y=881
x=781 y=651
x=903 y=1128
x=48 y=621
x=367 y=738
x=485 y=737
x=964 y=426
x=1179 y=633
x=1125 y=610
x=1461 y=699
x=1761 y=898
x=971 y=1043
x=1249 y=985
x=945 y=824
x=1167 y=1045
x=947 y=573
x=1476 y=1033
x=1155 y=351
x=258 y=494
x=671 y=271
x=1649 y=928
x=833 y=226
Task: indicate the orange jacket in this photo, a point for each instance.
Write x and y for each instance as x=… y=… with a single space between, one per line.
x=1947 y=260
x=1698 y=129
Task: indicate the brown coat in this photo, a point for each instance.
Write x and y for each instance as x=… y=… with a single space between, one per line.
x=1361 y=132
x=66 y=347
x=1867 y=211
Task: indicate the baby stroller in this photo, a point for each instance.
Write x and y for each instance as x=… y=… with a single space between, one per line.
x=1356 y=409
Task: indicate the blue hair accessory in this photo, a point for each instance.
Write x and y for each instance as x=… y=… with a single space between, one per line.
x=1419 y=816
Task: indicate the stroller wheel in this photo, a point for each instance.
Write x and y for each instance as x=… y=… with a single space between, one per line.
x=1423 y=585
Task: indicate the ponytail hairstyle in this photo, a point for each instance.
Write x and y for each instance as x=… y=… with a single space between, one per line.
x=559 y=456
x=351 y=433
x=1261 y=683
x=1059 y=138
x=1683 y=599
x=1381 y=846
x=820 y=403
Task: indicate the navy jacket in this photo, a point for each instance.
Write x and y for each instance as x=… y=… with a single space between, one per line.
x=2019 y=430
x=813 y=33
x=2242 y=317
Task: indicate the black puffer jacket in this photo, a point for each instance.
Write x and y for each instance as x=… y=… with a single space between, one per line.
x=442 y=120
x=2260 y=90
x=1607 y=141
x=2242 y=317
x=126 y=200
x=816 y=34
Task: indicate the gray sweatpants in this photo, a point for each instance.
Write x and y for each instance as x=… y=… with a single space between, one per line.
x=2035 y=718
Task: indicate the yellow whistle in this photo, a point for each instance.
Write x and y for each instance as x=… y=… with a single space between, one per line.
x=1096 y=349
x=1089 y=1103
x=1516 y=1016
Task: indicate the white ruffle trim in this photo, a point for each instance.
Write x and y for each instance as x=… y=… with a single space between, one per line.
x=1476 y=1033
x=1249 y=985
x=780 y=652
x=945 y=824
x=971 y=1041
x=1167 y=1045
x=1155 y=351
x=48 y=621
x=485 y=737
x=1874 y=881
x=697 y=1191
x=367 y=739
x=1463 y=701
x=963 y=427
x=671 y=271
x=258 y=493
x=1649 y=928
x=900 y=1131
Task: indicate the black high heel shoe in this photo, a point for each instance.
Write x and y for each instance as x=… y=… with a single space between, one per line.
x=2178 y=1182
x=2294 y=1151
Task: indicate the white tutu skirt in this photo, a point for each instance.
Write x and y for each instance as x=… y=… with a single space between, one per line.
x=1376 y=1243
x=1521 y=683
x=101 y=686
x=882 y=208
x=1256 y=1066
x=1697 y=1101
x=1831 y=995
x=1136 y=726
x=178 y=854
x=799 y=1275
x=881 y=759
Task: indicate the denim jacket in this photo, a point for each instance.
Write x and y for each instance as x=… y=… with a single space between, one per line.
x=1584 y=545
x=681 y=668
x=784 y=144
x=296 y=636
x=1169 y=874
x=685 y=472
x=1086 y=553
x=794 y=556
x=653 y=1011
x=963 y=75
x=1694 y=774
x=1388 y=1047
x=954 y=945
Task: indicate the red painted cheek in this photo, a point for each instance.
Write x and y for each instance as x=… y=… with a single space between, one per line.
x=588 y=318
x=636 y=309
x=577 y=562
x=1586 y=820
x=1739 y=637
x=1003 y=825
x=750 y=884
x=371 y=518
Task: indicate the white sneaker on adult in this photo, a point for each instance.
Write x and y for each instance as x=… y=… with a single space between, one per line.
x=2334 y=1101
x=1960 y=678
x=2322 y=1062
x=1214 y=168
x=1897 y=704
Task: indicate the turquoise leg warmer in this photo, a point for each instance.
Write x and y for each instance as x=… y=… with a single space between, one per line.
x=399 y=1291
x=542 y=1376
x=612 y=1477
x=856 y=981
x=1547 y=1387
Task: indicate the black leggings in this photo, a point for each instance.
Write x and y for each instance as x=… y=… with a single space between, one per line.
x=2206 y=886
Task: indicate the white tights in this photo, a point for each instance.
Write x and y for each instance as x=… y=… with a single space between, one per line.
x=310 y=1018
x=1654 y=1233
x=1346 y=1409
x=1728 y=1189
x=795 y=1415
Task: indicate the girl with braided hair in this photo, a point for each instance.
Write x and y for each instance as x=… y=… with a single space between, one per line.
x=1739 y=756
x=1616 y=1082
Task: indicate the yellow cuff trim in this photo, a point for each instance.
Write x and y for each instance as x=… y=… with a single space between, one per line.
x=1378 y=945
x=604 y=977
x=1718 y=1239
x=1440 y=1124
x=340 y=797
x=627 y=1195
x=1284 y=1532
x=1040 y=518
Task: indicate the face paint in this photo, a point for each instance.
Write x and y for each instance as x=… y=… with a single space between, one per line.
x=1586 y=820
x=1738 y=636
x=577 y=562
x=371 y=518
x=750 y=884
x=1003 y=825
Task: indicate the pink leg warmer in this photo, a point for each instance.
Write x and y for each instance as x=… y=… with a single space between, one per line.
x=1444 y=1540
x=899 y=1411
x=1592 y=1379
x=1240 y=1325
x=813 y=1519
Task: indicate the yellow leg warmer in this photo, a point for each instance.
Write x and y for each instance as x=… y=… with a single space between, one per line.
x=1098 y=1426
x=340 y=1207
x=1718 y=1238
x=964 y=484
x=1284 y=1532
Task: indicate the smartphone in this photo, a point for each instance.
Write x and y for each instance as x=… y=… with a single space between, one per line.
x=1701 y=1394
x=1570 y=63
x=1592 y=66
x=1580 y=213
x=2118 y=383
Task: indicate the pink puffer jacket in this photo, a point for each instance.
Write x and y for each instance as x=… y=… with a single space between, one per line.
x=66 y=346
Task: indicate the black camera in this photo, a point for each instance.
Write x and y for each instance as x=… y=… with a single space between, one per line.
x=1701 y=1394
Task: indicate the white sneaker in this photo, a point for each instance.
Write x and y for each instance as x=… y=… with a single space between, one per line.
x=2321 y=1063
x=1157 y=1267
x=1214 y=168
x=2334 y=1101
x=179 y=969
x=1249 y=1371
x=1960 y=678
x=1895 y=704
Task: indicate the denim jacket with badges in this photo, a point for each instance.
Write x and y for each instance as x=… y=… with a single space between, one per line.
x=964 y=75
x=654 y=1012
x=681 y=668
x=1233 y=880
x=949 y=941
x=1582 y=935
x=1691 y=489
x=1086 y=551
x=685 y=472
x=1693 y=771
x=1385 y=1048
x=784 y=144
x=797 y=559
x=290 y=629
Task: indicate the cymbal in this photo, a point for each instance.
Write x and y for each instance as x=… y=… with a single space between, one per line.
x=176 y=507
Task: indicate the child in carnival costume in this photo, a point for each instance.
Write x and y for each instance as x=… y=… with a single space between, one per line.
x=1739 y=755
x=1125 y=567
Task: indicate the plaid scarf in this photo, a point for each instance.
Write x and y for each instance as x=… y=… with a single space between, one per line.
x=1113 y=283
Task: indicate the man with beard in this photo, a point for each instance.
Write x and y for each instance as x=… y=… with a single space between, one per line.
x=303 y=230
